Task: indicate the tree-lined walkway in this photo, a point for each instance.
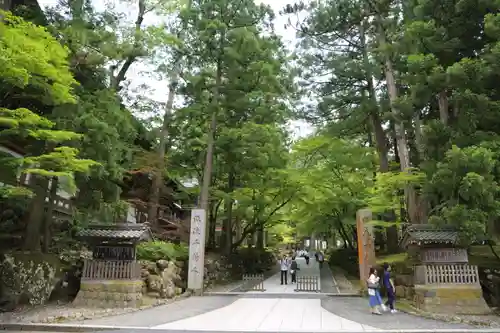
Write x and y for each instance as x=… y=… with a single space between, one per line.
x=273 y=284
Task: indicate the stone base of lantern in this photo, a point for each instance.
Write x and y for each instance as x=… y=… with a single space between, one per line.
x=110 y=294
x=451 y=299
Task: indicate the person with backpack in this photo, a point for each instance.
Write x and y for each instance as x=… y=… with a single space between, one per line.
x=294 y=267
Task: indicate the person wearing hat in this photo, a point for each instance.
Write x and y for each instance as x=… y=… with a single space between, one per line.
x=389 y=286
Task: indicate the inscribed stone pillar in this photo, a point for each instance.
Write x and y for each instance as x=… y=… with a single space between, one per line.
x=197 y=251
x=366 y=243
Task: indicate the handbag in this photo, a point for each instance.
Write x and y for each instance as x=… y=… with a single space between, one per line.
x=372 y=285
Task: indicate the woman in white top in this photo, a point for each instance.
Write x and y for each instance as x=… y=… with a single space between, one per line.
x=373 y=290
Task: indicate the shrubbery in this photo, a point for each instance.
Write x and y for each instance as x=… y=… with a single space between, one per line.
x=347 y=259
x=156 y=250
x=250 y=260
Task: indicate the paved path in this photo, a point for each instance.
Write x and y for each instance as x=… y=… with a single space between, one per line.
x=270 y=315
x=356 y=308
x=273 y=284
x=277 y=311
x=162 y=314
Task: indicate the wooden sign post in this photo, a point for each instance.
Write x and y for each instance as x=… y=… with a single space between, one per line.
x=366 y=244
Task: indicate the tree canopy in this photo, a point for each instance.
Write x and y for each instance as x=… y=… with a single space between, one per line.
x=120 y=115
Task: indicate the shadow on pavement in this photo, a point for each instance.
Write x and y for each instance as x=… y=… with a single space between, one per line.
x=356 y=309
x=163 y=314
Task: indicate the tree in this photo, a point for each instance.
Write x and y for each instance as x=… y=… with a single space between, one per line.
x=240 y=76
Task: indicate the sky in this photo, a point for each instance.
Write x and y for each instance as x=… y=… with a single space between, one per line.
x=158 y=90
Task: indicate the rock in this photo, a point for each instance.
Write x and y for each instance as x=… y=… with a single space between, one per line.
x=154 y=283
x=400 y=291
x=170 y=292
x=151 y=267
x=28 y=276
x=145 y=273
x=403 y=280
x=162 y=264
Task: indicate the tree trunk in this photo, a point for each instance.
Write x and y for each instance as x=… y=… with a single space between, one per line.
x=157 y=182
x=260 y=237
x=399 y=130
x=49 y=215
x=228 y=225
x=375 y=121
x=444 y=115
x=36 y=214
x=207 y=170
x=117 y=79
x=381 y=141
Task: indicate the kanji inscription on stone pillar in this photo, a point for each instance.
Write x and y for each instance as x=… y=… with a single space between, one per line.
x=366 y=243
x=197 y=249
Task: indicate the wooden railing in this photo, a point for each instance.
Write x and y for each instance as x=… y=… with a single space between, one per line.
x=307 y=283
x=111 y=270
x=446 y=274
x=253 y=282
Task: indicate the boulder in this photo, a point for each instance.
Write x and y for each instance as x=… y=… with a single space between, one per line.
x=27 y=277
x=154 y=283
x=162 y=264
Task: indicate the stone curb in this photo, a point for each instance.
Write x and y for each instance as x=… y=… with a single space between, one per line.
x=280 y=295
x=63 y=327
x=449 y=319
x=90 y=328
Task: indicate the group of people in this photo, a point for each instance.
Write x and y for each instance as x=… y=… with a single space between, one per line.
x=375 y=299
x=288 y=265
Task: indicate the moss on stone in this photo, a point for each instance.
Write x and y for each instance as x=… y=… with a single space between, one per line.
x=28 y=277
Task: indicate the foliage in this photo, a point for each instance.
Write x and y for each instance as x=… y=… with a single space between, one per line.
x=159 y=250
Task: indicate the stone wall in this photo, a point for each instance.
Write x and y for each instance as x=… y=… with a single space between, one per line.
x=110 y=294
x=451 y=299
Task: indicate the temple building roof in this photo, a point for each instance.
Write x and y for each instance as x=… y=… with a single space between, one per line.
x=425 y=234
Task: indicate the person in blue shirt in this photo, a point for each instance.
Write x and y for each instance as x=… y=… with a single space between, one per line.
x=389 y=286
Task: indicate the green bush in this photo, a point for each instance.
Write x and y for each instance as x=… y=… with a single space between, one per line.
x=347 y=259
x=251 y=260
x=157 y=250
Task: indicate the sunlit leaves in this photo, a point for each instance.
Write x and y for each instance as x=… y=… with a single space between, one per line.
x=29 y=55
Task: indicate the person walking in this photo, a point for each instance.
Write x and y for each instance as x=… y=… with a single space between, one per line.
x=284 y=266
x=294 y=267
x=389 y=286
x=321 y=259
x=373 y=293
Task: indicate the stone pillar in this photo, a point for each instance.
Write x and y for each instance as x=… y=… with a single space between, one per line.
x=366 y=244
x=197 y=251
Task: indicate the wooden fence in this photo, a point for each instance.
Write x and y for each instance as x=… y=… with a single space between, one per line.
x=446 y=274
x=253 y=282
x=307 y=283
x=111 y=270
